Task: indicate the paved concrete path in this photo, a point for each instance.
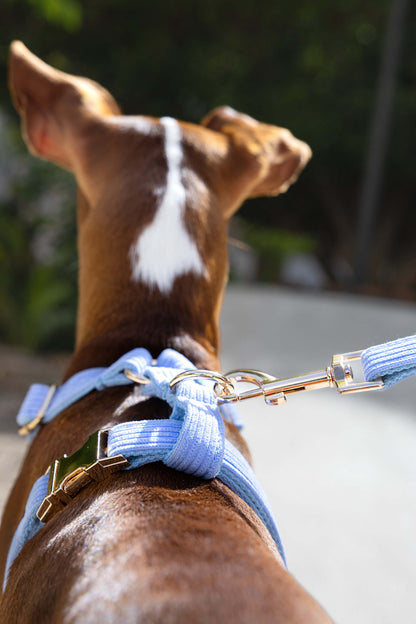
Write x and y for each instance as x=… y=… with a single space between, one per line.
x=340 y=472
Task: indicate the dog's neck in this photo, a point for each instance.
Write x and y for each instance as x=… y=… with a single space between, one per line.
x=150 y=275
x=106 y=349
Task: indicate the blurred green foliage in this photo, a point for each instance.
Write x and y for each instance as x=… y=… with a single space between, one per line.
x=64 y=13
x=273 y=246
x=308 y=66
x=38 y=265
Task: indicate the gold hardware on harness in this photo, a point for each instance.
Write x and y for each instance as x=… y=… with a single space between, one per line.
x=138 y=379
x=226 y=385
x=274 y=390
x=30 y=426
x=68 y=475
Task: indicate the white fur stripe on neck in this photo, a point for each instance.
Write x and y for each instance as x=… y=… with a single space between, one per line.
x=165 y=250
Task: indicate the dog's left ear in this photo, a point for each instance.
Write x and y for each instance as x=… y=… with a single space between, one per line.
x=55 y=107
x=269 y=158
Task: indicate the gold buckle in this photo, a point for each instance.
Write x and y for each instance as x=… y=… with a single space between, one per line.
x=30 y=426
x=68 y=475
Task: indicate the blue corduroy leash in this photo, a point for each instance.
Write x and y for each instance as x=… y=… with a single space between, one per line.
x=192 y=440
x=392 y=361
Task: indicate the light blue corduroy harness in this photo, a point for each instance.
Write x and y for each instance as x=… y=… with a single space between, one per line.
x=192 y=440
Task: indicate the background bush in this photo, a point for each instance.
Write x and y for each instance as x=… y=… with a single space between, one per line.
x=308 y=66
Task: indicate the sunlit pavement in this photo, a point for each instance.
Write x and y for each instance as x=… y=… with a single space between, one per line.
x=340 y=472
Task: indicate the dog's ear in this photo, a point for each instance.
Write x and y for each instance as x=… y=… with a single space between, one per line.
x=269 y=158
x=54 y=106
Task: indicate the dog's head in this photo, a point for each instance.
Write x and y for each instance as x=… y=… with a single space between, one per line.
x=155 y=195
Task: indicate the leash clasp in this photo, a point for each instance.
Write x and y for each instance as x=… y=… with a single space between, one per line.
x=274 y=390
x=68 y=475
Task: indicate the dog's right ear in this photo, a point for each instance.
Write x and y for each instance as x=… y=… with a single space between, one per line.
x=54 y=106
x=263 y=159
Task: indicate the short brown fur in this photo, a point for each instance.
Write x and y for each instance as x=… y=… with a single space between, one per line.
x=148 y=545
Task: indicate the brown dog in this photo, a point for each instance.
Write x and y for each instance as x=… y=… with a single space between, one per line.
x=155 y=196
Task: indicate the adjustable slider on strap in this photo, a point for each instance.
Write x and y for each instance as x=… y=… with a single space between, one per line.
x=68 y=475
x=37 y=420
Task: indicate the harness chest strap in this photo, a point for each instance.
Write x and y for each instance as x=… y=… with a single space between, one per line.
x=42 y=402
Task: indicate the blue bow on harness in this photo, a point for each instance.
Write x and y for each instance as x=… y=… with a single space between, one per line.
x=192 y=440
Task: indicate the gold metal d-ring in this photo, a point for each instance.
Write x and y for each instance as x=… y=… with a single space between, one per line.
x=219 y=379
x=139 y=379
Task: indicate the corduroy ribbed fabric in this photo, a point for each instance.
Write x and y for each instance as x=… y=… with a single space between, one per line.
x=392 y=361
